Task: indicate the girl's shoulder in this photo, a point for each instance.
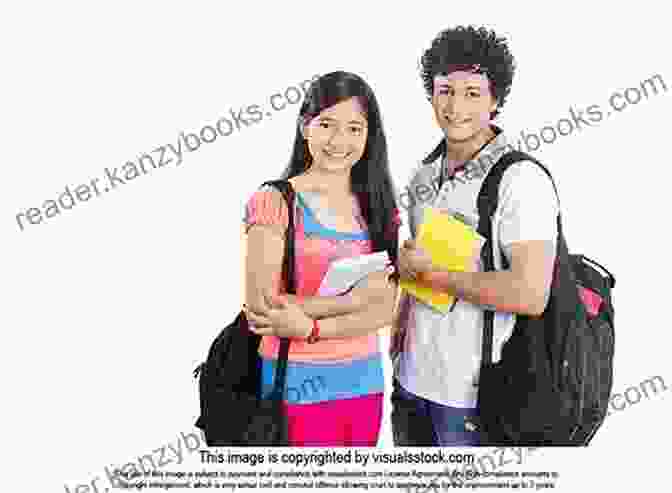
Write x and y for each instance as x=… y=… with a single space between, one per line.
x=267 y=207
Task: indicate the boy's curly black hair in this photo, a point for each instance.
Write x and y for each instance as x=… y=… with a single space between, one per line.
x=468 y=45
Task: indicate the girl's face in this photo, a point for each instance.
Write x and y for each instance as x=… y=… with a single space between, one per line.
x=337 y=136
x=462 y=104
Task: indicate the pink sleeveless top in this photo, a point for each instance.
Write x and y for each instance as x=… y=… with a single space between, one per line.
x=313 y=254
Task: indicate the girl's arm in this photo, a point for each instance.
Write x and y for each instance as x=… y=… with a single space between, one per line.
x=265 y=251
x=367 y=292
x=283 y=318
x=267 y=219
x=376 y=316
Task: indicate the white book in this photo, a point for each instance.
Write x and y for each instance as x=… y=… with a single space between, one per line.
x=346 y=272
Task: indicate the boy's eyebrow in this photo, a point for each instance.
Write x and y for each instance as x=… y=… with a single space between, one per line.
x=448 y=84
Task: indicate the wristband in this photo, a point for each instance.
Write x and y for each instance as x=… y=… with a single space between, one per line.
x=314 y=334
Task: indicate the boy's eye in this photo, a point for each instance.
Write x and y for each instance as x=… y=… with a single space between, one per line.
x=355 y=130
x=324 y=124
x=474 y=94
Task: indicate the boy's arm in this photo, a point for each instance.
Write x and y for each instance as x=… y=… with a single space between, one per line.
x=527 y=231
x=524 y=288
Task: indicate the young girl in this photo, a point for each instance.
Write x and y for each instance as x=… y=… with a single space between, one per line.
x=344 y=207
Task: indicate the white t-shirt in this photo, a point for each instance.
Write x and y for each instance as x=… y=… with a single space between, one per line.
x=442 y=352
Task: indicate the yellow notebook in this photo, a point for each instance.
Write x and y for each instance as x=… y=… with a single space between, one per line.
x=452 y=245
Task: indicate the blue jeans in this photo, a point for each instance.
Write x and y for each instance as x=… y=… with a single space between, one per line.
x=420 y=422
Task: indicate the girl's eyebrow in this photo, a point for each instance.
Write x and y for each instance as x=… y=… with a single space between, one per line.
x=325 y=118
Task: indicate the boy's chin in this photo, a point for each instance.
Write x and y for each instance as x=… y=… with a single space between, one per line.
x=461 y=135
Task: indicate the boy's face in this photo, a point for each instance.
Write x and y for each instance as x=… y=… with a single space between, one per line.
x=462 y=104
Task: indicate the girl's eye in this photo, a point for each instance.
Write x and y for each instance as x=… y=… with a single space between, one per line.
x=356 y=130
x=474 y=95
x=324 y=124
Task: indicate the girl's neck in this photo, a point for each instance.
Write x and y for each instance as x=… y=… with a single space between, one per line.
x=329 y=182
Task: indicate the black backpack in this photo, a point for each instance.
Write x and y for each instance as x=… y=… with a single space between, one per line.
x=233 y=411
x=553 y=382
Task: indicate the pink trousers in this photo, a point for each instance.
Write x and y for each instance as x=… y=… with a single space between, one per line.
x=353 y=422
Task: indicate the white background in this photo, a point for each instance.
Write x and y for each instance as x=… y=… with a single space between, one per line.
x=108 y=307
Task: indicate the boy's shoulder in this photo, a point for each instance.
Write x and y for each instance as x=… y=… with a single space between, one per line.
x=425 y=171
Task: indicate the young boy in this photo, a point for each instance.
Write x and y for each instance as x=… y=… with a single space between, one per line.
x=467 y=74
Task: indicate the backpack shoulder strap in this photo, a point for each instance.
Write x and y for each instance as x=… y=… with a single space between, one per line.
x=289 y=275
x=488 y=196
x=487 y=201
x=287 y=191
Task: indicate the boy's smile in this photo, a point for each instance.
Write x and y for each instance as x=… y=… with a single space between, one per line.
x=462 y=104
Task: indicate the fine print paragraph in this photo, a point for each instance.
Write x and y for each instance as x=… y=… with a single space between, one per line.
x=416 y=472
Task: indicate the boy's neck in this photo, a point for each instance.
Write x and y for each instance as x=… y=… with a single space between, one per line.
x=457 y=153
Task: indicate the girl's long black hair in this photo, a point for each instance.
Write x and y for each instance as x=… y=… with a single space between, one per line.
x=370 y=178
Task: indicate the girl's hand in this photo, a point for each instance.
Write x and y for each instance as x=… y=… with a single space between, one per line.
x=280 y=317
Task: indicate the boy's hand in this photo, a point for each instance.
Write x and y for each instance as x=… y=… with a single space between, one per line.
x=413 y=260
